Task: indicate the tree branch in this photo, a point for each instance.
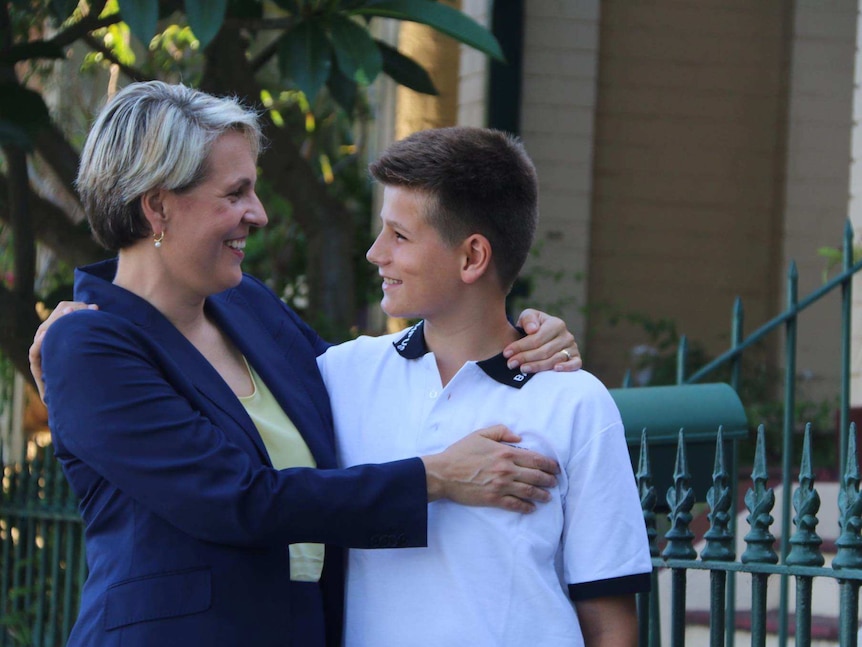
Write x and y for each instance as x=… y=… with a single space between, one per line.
x=57 y=152
x=18 y=209
x=132 y=73
x=53 y=47
x=17 y=326
x=90 y=22
x=71 y=243
x=263 y=56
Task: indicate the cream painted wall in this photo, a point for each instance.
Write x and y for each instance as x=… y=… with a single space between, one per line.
x=818 y=174
x=558 y=109
x=855 y=214
x=473 y=71
x=558 y=105
x=688 y=173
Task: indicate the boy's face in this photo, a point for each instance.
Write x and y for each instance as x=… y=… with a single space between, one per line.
x=421 y=273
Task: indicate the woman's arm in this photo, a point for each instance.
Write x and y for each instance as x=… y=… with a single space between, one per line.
x=35 y=352
x=547 y=345
x=134 y=419
x=128 y=414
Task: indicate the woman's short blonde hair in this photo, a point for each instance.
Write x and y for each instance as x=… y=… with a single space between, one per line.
x=152 y=135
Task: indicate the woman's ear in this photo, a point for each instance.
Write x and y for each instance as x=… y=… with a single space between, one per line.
x=153 y=209
x=477 y=258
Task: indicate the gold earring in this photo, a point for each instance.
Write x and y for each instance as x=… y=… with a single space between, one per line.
x=157 y=240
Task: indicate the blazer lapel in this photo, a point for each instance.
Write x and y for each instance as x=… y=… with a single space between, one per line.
x=93 y=285
x=207 y=380
x=296 y=394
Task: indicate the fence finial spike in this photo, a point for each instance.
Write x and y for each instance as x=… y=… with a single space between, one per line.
x=805 y=543
x=759 y=500
x=758 y=470
x=648 y=495
x=718 y=464
x=680 y=499
x=805 y=470
x=719 y=538
x=851 y=467
x=849 y=542
x=680 y=468
x=643 y=457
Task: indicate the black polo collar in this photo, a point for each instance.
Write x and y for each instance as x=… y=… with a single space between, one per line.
x=411 y=345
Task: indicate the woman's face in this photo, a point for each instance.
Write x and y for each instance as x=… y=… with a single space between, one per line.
x=207 y=226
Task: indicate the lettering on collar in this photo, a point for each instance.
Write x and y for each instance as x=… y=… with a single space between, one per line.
x=495 y=367
x=411 y=345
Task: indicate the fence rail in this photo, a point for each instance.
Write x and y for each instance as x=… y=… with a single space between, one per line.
x=785 y=322
x=804 y=560
x=42 y=560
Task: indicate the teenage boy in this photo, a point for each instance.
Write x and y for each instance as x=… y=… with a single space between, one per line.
x=458 y=219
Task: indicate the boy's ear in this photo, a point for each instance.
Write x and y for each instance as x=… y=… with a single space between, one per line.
x=476 y=259
x=153 y=208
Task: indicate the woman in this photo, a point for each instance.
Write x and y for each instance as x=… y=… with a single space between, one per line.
x=175 y=406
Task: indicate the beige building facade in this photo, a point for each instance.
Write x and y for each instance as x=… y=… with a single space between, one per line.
x=687 y=153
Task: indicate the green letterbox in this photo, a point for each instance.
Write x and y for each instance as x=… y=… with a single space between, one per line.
x=697 y=409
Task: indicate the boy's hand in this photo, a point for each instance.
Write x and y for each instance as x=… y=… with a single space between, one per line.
x=35 y=353
x=548 y=345
x=480 y=469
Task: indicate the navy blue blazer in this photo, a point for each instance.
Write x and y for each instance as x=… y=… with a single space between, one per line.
x=187 y=523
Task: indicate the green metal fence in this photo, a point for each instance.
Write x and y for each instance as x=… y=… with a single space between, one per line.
x=798 y=558
x=42 y=561
x=804 y=560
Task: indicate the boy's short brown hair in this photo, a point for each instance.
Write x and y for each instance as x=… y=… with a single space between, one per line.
x=478 y=180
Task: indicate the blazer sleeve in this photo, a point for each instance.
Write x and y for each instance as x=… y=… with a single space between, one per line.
x=113 y=407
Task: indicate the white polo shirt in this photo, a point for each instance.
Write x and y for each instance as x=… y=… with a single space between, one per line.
x=488 y=577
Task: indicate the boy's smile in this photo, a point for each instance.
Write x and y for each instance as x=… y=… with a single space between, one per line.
x=420 y=272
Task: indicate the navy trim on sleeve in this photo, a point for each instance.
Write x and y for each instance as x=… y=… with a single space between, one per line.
x=640 y=583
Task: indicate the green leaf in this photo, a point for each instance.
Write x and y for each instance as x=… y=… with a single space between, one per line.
x=13 y=135
x=142 y=17
x=205 y=18
x=441 y=17
x=245 y=9
x=343 y=90
x=349 y=5
x=405 y=70
x=293 y=6
x=356 y=53
x=305 y=57
x=22 y=107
